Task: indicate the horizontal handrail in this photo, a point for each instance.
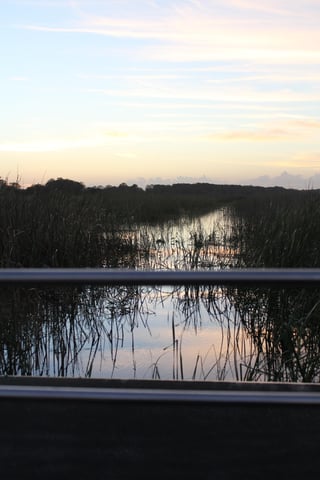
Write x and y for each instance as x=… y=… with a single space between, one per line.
x=160 y=395
x=105 y=276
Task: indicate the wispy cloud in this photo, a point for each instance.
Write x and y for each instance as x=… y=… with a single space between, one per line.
x=190 y=107
x=188 y=33
x=131 y=76
x=108 y=29
x=293 y=130
x=115 y=134
x=51 y=145
x=128 y=155
x=305 y=123
x=277 y=55
x=227 y=43
x=213 y=95
x=270 y=7
x=251 y=136
x=286 y=10
x=310 y=159
x=271 y=78
x=43 y=3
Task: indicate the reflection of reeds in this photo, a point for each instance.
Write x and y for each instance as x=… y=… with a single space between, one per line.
x=284 y=329
x=44 y=332
x=264 y=334
x=185 y=245
x=269 y=335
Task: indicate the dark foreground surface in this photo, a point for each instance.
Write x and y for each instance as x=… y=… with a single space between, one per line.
x=97 y=435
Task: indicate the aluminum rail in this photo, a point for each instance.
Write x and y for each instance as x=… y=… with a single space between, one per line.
x=160 y=395
x=104 y=276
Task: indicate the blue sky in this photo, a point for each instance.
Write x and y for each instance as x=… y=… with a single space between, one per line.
x=110 y=91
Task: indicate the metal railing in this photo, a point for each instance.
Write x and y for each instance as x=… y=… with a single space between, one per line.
x=149 y=393
x=100 y=276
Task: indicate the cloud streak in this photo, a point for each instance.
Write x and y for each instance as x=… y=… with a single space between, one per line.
x=293 y=130
x=213 y=95
x=189 y=33
x=52 y=145
x=251 y=136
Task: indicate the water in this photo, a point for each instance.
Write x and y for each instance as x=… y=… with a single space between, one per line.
x=189 y=333
x=202 y=243
x=172 y=334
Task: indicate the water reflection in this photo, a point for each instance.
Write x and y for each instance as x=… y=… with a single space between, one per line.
x=201 y=243
x=187 y=332
x=204 y=333
x=284 y=327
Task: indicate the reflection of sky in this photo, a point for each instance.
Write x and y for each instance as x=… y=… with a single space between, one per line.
x=173 y=245
x=201 y=344
x=203 y=340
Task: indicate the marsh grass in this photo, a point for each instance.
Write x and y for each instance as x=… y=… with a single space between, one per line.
x=279 y=232
x=64 y=224
x=265 y=334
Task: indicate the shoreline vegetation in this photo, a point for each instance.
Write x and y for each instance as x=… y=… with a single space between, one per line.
x=65 y=224
x=266 y=334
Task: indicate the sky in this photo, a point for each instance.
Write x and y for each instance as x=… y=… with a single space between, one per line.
x=144 y=91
